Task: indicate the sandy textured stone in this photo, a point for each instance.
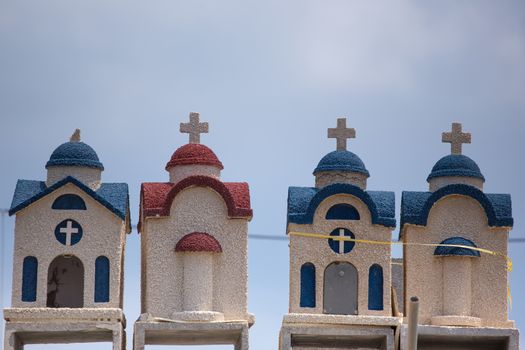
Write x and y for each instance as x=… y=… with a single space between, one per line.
x=463 y=338
x=436 y=183
x=319 y=253
x=326 y=178
x=327 y=319
x=457 y=215
x=104 y=233
x=19 y=334
x=187 y=333
x=163 y=268
x=180 y=172
x=330 y=336
x=90 y=177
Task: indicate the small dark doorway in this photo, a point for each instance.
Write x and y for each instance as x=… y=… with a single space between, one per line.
x=65 y=282
x=340 y=289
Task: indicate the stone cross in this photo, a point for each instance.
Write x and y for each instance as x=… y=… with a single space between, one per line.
x=194 y=128
x=341 y=133
x=68 y=230
x=456 y=138
x=341 y=241
x=75 y=137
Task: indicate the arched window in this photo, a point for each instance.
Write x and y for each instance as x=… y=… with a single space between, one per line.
x=342 y=211
x=375 y=287
x=69 y=202
x=29 y=278
x=101 y=280
x=307 y=285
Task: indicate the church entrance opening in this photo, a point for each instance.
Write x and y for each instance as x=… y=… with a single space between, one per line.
x=340 y=289
x=65 y=282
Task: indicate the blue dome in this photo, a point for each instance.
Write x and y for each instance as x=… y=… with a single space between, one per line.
x=344 y=161
x=456 y=165
x=451 y=247
x=74 y=154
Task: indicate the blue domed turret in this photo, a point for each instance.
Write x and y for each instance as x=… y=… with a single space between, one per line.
x=75 y=153
x=456 y=165
x=343 y=161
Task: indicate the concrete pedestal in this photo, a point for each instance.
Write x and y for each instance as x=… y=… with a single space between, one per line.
x=149 y=332
x=62 y=326
x=314 y=331
x=463 y=338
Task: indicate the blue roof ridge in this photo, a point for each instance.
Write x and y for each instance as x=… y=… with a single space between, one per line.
x=103 y=195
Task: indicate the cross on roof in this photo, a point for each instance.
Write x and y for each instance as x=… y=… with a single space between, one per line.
x=341 y=133
x=456 y=138
x=194 y=128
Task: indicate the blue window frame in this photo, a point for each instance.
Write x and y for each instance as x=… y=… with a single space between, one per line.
x=69 y=202
x=101 y=280
x=341 y=246
x=29 y=278
x=375 y=287
x=307 y=285
x=342 y=211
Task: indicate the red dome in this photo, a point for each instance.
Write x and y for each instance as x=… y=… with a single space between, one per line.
x=198 y=242
x=192 y=154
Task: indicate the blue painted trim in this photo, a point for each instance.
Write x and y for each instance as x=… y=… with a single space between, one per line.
x=342 y=211
x=457 y=251
x=74 y=154
x=415 y=206
x=114 y=196
x=342 y=161
x=303 y=202
x=336 y=244
x=69 y=202
x=375 y=287
x=102 y=280
x=307 y=285
x=456 y=165
x=29 y=279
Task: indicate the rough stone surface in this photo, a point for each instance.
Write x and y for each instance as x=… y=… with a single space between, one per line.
x=190 y=333
x=335 y=336
x=91 y=177
x=318 y=252
x=323 y=179
x=457 y=215
x=180 y=172
x=104 y=234
x=463 y=338
x=436 y=183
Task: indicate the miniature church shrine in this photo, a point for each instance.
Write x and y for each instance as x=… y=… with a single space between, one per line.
x=194 y=251
x=68 y=269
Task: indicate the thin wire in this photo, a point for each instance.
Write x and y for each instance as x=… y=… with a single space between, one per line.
x=3 y=212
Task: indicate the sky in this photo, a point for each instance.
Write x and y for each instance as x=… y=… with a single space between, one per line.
x=270 y=77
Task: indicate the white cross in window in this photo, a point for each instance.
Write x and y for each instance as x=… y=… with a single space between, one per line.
x=341 y=242
x=68 y=230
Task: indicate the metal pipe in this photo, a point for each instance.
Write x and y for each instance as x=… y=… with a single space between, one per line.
x=3 y=212
x=413 y=314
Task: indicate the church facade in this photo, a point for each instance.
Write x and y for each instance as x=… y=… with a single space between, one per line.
x=68 y=271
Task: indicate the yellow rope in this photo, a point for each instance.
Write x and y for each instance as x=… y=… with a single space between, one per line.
x=367 y=241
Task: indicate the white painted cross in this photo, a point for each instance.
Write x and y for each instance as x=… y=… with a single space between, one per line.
x=456 y=138
x=341 y=133
x=194 y=128
x=68 y=230
x=341 y=242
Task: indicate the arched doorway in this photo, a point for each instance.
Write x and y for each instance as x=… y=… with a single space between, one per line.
x=65 y=282
x=340 y=289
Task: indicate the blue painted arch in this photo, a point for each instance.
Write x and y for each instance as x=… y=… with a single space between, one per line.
x=342 y=211
x=375 y=287
x=457 y=251
x=307 y=285
x=341 y=188
x=69 y=202
x=465 y=190
x=29 y=278
x=102 y=280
